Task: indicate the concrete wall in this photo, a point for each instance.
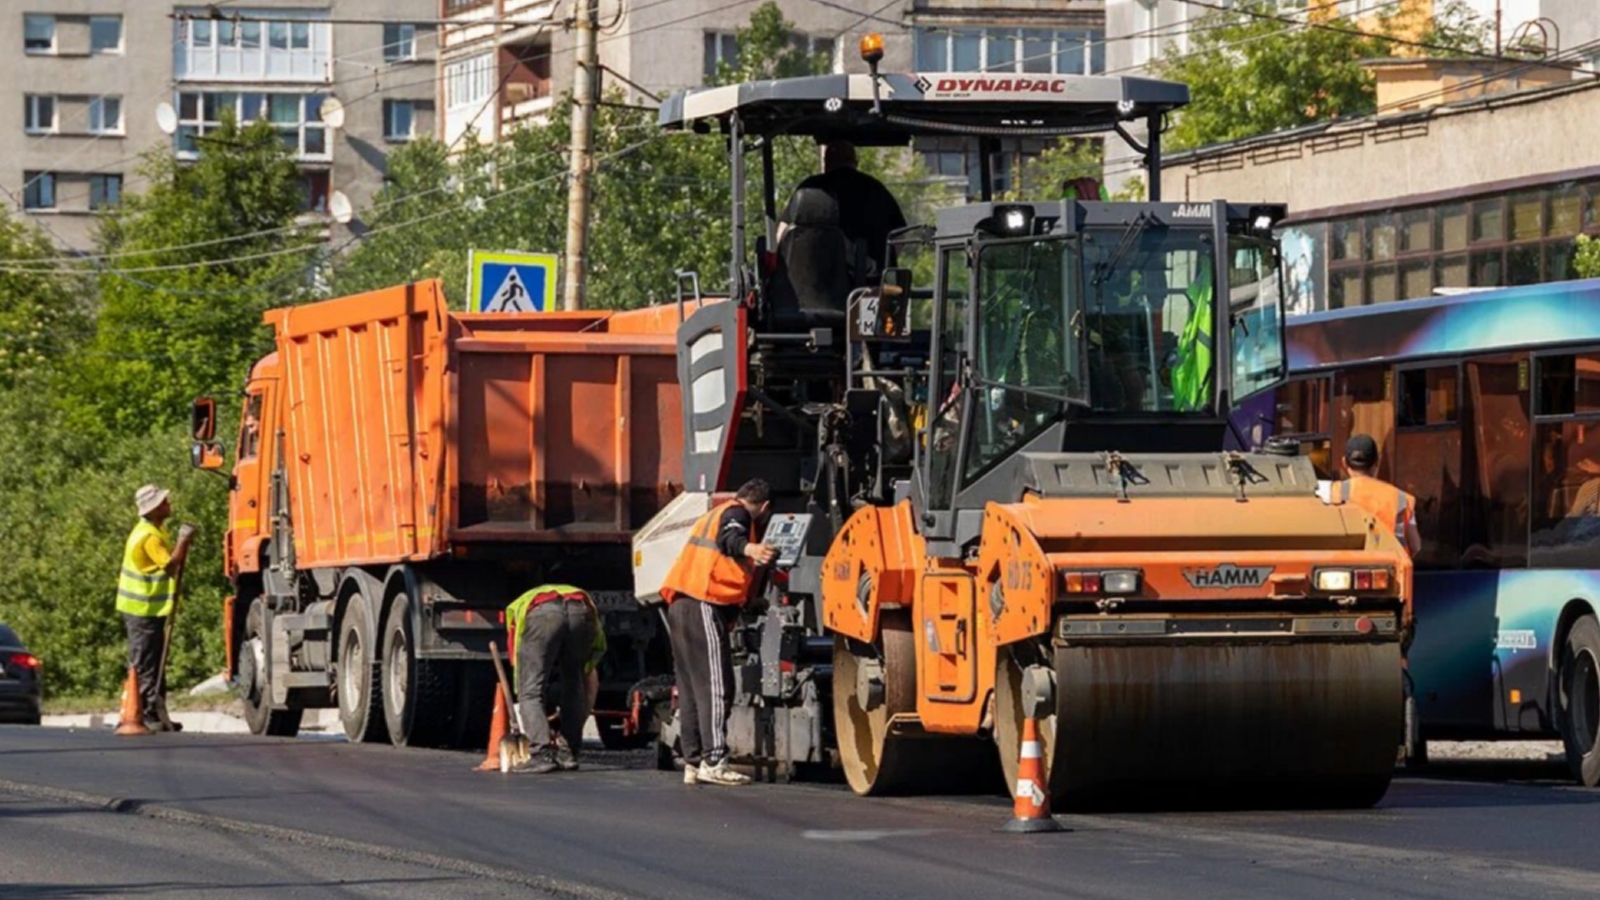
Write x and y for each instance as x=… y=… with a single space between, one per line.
x=1454 y=149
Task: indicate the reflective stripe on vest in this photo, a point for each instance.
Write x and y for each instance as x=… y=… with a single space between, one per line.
x=706 y=573
x=1389 y=508
x=142 y=593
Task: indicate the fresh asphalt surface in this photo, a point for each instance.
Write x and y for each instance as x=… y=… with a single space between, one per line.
x=87 y=814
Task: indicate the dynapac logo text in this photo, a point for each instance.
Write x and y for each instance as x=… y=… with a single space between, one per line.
x=958 y=86
x=1228 y=575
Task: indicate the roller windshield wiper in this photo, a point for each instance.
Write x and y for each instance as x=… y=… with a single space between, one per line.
x=1103 y=269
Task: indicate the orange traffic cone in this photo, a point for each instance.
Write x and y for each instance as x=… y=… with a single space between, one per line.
x=1031 y=809
x=499 y=725
x=131 y=718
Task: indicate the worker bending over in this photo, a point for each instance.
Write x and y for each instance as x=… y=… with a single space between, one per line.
x=710 y=580
x=1395 y=509
x=557 y=629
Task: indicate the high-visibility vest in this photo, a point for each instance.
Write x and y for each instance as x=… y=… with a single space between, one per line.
x=1392 y=507
x=517 y=613
x=143 y=590
x=1191 y=377
x=704 y=572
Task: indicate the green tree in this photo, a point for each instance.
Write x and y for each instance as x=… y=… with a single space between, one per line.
x=174 y=323
x=1251 y=73
x=770 y=47
x=1586 y=262
x=44 y=308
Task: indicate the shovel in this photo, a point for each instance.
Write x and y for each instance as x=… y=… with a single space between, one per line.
x=514 y=747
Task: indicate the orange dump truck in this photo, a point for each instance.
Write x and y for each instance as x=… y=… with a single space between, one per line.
x=403 y=472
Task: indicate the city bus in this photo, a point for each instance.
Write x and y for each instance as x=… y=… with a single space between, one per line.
x=1486 y=408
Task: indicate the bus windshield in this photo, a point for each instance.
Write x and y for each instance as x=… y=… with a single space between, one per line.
x=1149 y=319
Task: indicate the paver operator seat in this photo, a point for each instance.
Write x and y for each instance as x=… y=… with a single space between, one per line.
x=817 y=265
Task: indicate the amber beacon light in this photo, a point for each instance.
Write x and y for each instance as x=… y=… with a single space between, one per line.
x=872 y=48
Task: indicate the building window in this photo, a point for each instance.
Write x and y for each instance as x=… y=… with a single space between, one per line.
x=399 y=120
x=39 y=192
x=721 y=49
x=314 y=192
x=1026 y=50
x=1489 y=241
x=283 y=50
x=105 y=34
x=39 y=34
x=295 y=116
x=105 y=191
x=469 y=82
x=399 y=42
x=105 y=115
x=39 y=113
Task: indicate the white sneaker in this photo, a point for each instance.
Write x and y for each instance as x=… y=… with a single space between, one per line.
x=691 y=774
x=722 y=774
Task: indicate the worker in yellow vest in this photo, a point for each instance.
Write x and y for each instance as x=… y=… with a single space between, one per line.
x=145 y=589
x=711 y=579
x=557 y=629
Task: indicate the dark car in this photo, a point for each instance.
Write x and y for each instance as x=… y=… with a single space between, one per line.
x=19 y=680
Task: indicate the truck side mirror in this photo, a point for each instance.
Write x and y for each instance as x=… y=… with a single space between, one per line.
x=206 y=455
x=203 y=419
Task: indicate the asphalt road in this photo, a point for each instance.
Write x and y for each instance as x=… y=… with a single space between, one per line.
x=86 y=814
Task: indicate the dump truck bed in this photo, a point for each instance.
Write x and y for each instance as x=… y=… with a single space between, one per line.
x=412 y=430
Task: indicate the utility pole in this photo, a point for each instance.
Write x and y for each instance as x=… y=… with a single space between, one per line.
x=586 y=77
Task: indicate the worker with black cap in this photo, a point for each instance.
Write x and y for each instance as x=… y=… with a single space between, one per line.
x=1393 y=508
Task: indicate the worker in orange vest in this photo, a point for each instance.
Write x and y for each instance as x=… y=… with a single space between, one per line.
x=1393 y=508
x=710 y=580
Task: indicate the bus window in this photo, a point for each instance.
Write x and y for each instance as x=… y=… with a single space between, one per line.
x=1427 y=460
x=1566 y=526
x=1427 y=397
x=1302 y=407
x=1361 y=399
x=1569 y=384
x=1494 y=495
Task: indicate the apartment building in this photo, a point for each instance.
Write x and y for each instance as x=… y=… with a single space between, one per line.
x=507 y=60
x=91 y=75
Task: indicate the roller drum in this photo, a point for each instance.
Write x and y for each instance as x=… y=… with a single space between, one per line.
x=1312 y=723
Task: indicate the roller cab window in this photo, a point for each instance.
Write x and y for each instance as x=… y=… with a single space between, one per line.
x=1028 y=364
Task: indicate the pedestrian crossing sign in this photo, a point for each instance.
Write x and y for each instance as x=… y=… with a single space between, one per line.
x=511 y=282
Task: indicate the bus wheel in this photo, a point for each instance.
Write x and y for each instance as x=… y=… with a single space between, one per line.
x=1580 y=700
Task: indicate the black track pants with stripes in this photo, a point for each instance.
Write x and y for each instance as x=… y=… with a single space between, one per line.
x=703 y=664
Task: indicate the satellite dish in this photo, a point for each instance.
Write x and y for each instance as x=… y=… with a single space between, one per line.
x=332 y=113
x=339 y=207
x=166 y=118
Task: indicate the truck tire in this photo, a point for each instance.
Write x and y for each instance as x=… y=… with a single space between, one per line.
x=257 y=689
x=419 y=708
x=1579 y=698
x=360 y=710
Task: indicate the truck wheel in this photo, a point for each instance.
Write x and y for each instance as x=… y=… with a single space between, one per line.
x=1579 y=699
x=359 y=709
x=417 y=695
x=255 y=675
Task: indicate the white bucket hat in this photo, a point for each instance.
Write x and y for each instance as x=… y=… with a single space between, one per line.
x=148 y=498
